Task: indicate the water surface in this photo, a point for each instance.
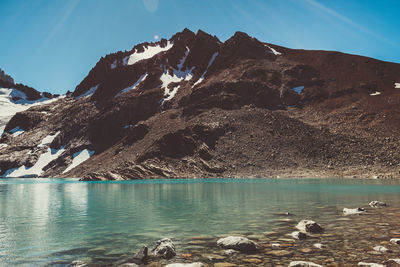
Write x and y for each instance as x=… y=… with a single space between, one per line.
x=55 y=221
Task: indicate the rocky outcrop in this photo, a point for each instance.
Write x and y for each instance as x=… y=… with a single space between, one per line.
x=5 y=77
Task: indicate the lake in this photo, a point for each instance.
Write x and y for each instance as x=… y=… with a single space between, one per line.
x=55 y=221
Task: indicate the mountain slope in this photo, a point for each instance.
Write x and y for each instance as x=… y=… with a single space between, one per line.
x=192 y=106
x=15 y=98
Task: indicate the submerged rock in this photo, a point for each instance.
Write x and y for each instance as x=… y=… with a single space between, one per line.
x=376 y=204
x=347 y=211
x=395 y=241
x=304 y=264
x=230 y=252
x=194 y=264
x=319 y=245
x=78 y=263
x=164 y=248
x=381 y=249
x=298 y=235
x=392 y=263
x=238 y=243
x=369 y=264
x=309 y=226
x=141 y=256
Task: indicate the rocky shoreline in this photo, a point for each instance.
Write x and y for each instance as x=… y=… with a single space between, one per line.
x=363 y=236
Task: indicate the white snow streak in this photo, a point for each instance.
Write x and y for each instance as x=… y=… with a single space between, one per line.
x=37 y=169
x=134 y=86
x=78 y=158
x=273 y=51
x=149 y=52
x=16 y=131
x=376 y=93
x=204 y=73
x=172 y=93
x=178 y=75
x=397 y=85
x=88 y=92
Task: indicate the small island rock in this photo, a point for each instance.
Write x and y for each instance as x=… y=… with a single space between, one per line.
x=164 y=248
x=194 y=264
x=303 y=264
x=347 y=211
x=376 y=204
x=309 y=226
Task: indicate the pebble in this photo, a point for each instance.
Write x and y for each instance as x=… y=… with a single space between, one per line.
x=213 y=257
x=280 y=253
x=319 y=245
x=381 y=249
x=252 y=260
x=224 y=264
x=231 y=252
x=194 y=264
x=368 y=264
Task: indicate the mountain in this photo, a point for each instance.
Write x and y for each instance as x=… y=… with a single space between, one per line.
x=15 y=98
x=193 y=106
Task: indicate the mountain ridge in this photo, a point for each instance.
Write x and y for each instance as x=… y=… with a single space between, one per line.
x=183 y=107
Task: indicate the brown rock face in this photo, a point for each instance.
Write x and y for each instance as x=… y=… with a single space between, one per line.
x=198 y=107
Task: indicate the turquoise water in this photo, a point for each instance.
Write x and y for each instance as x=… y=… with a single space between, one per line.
x=55 y=221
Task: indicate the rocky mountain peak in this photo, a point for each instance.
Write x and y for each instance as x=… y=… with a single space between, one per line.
x=5 y=77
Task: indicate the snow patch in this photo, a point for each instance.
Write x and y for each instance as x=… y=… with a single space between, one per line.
x=149 y=52
x=16 y=131
x=178 y=75
x=78 y=158
x=298 y=89
x=9 y=107
x=273 y=51
x=134 y=86
x=204 y=73
x=37 y=169
x=376 y=93
x=48 y=139
x=128 y=126
x=2 y=145
x=172 y=93
x=114 y=64
x=397 y=85
x=88 y=92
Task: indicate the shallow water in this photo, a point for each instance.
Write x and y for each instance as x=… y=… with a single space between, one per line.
x=56 y=221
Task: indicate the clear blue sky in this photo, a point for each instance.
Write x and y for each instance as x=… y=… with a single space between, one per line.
x=52 y=44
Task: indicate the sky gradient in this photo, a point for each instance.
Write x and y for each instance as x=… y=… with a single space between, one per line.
x=52 y=44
